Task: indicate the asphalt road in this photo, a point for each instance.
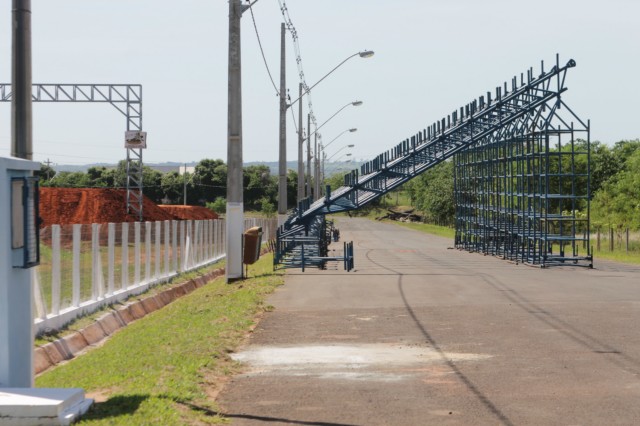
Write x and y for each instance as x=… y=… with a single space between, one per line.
x=422 y=334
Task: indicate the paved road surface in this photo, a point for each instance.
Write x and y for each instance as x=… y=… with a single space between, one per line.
x=422 y=334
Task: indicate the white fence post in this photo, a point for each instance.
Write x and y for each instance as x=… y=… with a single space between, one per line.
x=136 y=250
x=41 y=310
x=207 y=238
x=167 y=246
x=157 y=249
x=55 y=269
x=147 y=251
x=215 y=238
x=186 y=263
x=197 y=241
x=75 y=268
x=183 y=237
x=97 y=285
x=111 y=257
x=125 y=255
x=174 y=245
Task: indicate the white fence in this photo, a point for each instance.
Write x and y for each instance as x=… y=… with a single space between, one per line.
x=84 y=267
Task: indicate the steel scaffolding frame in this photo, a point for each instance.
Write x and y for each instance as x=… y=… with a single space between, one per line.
x=479 y=119
x=520 y=192
x=519 y=188
x=126 y=98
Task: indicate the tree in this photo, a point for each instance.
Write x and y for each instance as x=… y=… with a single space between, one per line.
x=45 y=173
x=101 y=177
x=268 y=208
x=209 y=180
x=218 y=206
x=292 y=188
x=432 y=192
x=172 y=185
x=618 y=202
x=258 y=184
x=69 y=180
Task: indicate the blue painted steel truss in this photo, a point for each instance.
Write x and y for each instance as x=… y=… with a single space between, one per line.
x=520 y=102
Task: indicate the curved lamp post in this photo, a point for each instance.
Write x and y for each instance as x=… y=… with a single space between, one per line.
x=316 y=168
x=344 y=147
x=324 y=157
x=282 y=189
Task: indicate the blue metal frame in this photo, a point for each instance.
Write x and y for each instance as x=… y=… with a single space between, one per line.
x=510 y=151
x=461 y=129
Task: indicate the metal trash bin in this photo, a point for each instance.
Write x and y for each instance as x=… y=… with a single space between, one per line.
x=252 y=242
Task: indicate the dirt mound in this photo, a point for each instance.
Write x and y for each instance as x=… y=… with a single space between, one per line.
x=189 y=212
x=62 y=206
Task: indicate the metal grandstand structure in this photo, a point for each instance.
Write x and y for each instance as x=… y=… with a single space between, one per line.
x=126 y=98
x=521 y=178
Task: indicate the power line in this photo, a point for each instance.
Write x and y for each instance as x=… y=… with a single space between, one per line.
x=255 y=26
x=296 y=46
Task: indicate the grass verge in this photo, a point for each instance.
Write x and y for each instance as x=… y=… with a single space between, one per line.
x=442 y=231
x=86 y=320
x=166 y=367
x=617 y=256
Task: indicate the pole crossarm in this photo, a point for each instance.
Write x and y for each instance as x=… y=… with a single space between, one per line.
x=126 y=98
x=533 y=103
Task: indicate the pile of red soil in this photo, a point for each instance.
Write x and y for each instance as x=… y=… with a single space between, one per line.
x=62 y=206
x=189 y=212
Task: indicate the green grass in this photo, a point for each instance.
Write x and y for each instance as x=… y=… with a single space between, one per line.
x=160 y=369
x=618 y=256
x=442 y=231
x=84 y=321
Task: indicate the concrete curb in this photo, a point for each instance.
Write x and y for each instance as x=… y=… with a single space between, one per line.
x=70 y=346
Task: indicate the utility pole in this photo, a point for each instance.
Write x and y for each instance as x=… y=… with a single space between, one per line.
x=48 y=163
x=300 y=144
x=316 y=169
x=309 y=155
x=235 y=208
x=282 y=160
x=21 y=106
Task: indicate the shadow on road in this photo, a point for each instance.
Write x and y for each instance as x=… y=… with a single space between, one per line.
x=468 y=383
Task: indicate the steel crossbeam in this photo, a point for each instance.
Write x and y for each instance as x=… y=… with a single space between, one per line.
x=126 y=98
x=483 y=119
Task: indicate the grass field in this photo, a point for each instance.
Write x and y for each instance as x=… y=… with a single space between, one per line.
x=166 y=368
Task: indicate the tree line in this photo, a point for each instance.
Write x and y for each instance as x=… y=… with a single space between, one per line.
x=206 y=186
x=614 y=185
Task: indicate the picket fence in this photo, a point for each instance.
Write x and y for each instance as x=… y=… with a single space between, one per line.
x=85 y=267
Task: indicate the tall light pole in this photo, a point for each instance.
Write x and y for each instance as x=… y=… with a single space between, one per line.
x=300 y=143
x=235 y=208
x=324 y=155
x=363 y=54
x=341 y=149
x=282 y=152
x=316 y=168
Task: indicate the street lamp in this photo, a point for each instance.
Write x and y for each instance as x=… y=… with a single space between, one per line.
x=316 y=169
x=344 y=147
x=335 y=153
x=282 y=179
x=333 y=140
x=324 y=155
x=355 y=103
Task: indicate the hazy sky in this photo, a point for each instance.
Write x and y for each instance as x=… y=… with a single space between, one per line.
x=431 y=57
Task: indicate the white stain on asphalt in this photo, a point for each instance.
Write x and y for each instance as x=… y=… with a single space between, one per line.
x=347 y=362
